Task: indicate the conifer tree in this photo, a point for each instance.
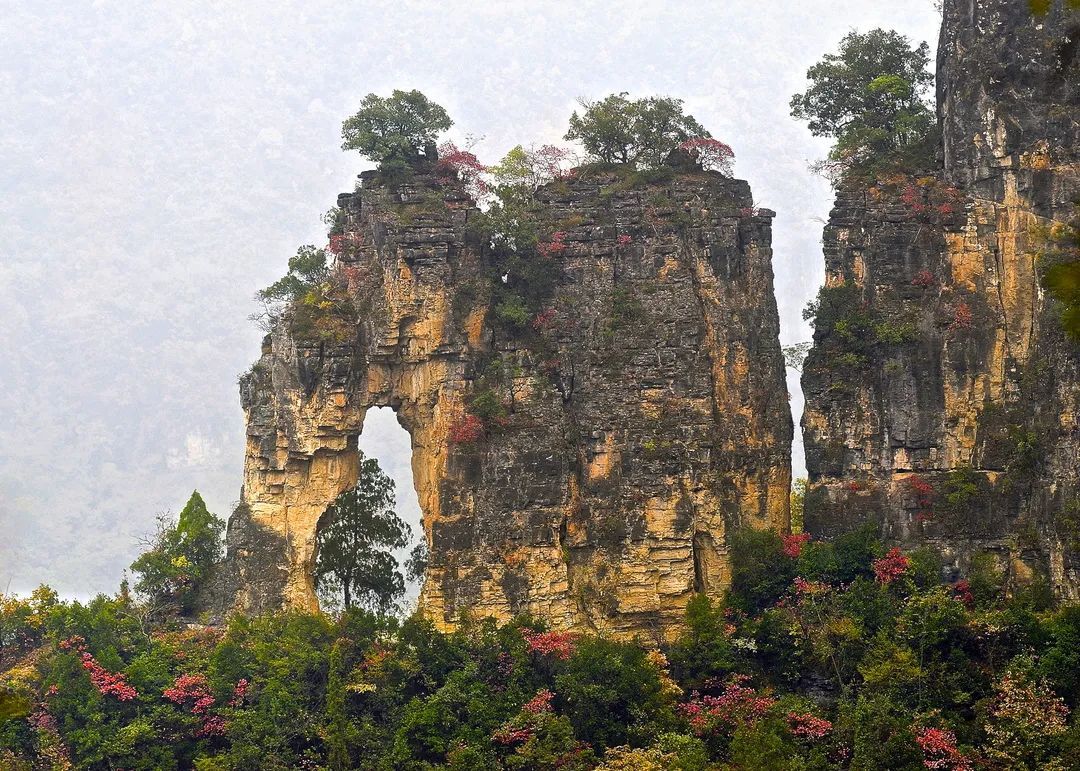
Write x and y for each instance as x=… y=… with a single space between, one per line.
x=360 y=529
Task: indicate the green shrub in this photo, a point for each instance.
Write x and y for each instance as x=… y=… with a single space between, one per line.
x=895 y=333
x=843 y=323
x=171 y=573
x=704 y=651
x=962 y=497
x=513 y=311
x=611 y=693
x=760 y=572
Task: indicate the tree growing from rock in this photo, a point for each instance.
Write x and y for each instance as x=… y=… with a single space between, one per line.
x=353 y=560
x=637 y=132
x=180 y=557
x=522 y=171
x=871 y=97
x=314 y=295
x=308 y=269
x=395 y=131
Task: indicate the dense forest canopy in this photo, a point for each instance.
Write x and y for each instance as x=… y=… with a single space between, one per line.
x=823 y=655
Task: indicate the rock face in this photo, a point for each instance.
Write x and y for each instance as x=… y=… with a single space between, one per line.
x=943 y=399
x=630 y=424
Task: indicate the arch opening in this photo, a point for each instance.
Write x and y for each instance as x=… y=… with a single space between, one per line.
x=385 y=440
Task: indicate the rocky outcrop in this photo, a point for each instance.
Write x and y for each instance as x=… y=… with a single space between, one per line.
x=635 y=418
x=943 y=399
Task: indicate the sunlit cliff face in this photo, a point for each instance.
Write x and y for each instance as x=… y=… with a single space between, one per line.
x=638 y=422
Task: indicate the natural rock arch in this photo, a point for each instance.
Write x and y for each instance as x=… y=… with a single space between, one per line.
x=630 y=449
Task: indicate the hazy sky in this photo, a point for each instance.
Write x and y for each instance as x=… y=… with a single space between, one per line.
x=159 y=162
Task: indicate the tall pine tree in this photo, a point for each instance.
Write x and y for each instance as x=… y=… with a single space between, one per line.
x=353 y=547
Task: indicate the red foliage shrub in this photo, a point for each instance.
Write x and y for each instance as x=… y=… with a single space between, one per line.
x=558 y=644
x=467 y=430
x=962 y=317
x=939 y=750
x=539 y=703
x=623 y=240
x=239 y=692
x=890 y=567
x=712 y=154
x=458 y=161
x=544 y=319
x=343 y=243
x=962 y=592
x=107 y=683
x=556 y=245
x=465 y=166
x=505 y=665
x=193 y=692
x=793 y=544
x=213 y=726
x=528 y=720
x=912 y=199
x=739 y=705
x=191 y=689
x=926 y=198
x=51 y=747
x=42 y=720
x=807 y=726
x=923 y=490
x=804 y=588
x=923 y=278
x=511 y=735
x=347 y=277
x=547 y=161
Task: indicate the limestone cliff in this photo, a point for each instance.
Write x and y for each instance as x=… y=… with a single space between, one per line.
x=943 y=399
x=630 y=425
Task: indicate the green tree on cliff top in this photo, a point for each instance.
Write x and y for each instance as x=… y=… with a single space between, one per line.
x=395 y=131
x=353 y=560
x=640 y=132
x=871 y=96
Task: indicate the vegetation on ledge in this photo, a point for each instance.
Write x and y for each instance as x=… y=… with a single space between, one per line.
x=632 y=139
x=823 y=655
x=871 y=97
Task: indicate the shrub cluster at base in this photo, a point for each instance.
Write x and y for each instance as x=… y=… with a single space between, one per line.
x=823 y=655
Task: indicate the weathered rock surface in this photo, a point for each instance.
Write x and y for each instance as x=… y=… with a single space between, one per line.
x=644 y=419
x=953 y=416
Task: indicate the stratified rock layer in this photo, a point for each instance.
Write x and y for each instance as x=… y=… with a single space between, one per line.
x=645 y=418
x=954 y=419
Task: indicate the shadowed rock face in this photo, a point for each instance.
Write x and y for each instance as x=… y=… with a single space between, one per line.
x=644 y=419
x=956 y=421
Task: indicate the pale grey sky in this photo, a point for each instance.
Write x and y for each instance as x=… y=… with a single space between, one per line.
x=159 y=162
